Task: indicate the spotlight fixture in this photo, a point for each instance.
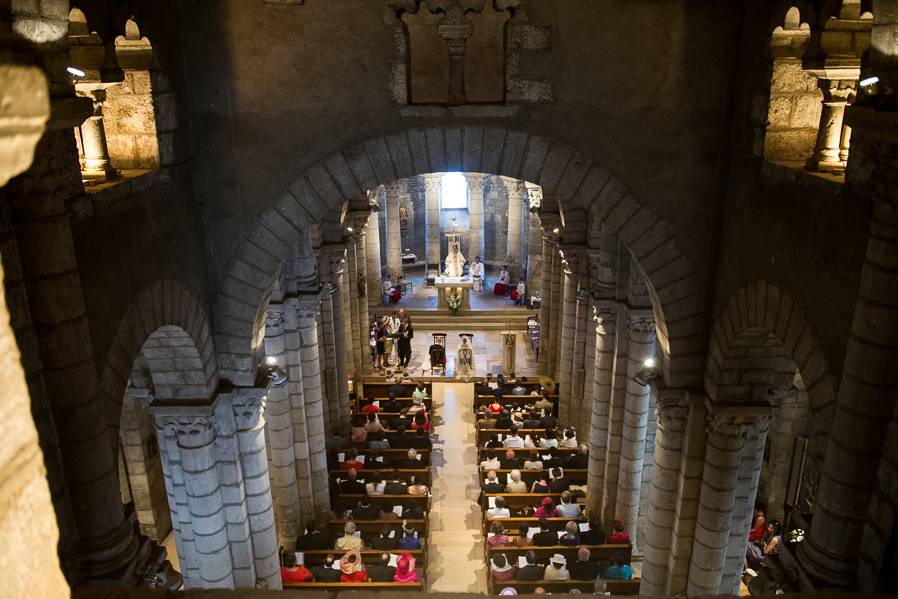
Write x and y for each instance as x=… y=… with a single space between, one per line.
x=271 y=360
x=649 y=363
x=869 y=81
x=646 y=373
x=350 y=229
x=556 y=230
x=75 y=72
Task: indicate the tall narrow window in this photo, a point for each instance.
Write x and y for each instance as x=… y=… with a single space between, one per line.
x=454 y=192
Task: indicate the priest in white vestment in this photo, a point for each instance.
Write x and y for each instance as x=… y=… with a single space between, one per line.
x=455 y=262
x=476 y=272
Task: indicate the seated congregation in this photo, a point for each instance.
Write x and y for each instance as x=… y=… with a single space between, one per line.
x=537 y=536
x=379 y=477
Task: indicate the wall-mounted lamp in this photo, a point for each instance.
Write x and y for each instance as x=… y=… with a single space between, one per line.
x=869 y=81
x=77 y=73
x=556 y=230
x=646 y=373
x=350 y=229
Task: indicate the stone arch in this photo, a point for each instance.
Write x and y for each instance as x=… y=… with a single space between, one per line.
x=166 y=316
x=764 y=326
x=575 y=178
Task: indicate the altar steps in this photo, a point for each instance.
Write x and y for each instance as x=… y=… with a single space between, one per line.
x=477 y=320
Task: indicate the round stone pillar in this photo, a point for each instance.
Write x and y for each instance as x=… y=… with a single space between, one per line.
x=93 y=141
x=196 y=436
x=727 y=433
x=671 y=410
x=601 y=405
x=867 y=398
x=248 y=408
x=827 y=149
x=311 y=391
x=372 y=251
x=641 y=346
x=545 y=310
x=556 y=313
x=475 y=215
x=568 y=333
x=515 y=190
x=394 y=240
x=432 y=219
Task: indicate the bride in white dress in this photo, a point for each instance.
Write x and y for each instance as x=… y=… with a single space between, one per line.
x=464 y=359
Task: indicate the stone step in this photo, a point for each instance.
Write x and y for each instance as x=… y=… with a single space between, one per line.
x=479 y=320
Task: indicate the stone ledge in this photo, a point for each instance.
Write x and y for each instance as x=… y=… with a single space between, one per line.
x=466 y=111
x=98 y=198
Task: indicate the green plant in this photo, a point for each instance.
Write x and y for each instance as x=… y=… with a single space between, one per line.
x=453 y=300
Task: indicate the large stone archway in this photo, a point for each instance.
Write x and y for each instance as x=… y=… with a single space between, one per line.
x=585 y=191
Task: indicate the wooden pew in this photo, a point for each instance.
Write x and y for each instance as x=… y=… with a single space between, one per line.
x=575 y=475
x=404 y=402
x=369 y=556
x=488 y=452
x=513 y=524
x=605 y=553
x=344 y=502
x=376 y=389
x=508 y=400
x=515 y=501
x=389 y=455
x=421 y=474
x=615 y=587
x=484 y=434
x=355 y=586
x=371 y=528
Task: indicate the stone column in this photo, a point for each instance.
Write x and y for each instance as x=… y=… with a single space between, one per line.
x=432 y=219
x=364 y=351
x=568 y=332
x=601 y=406
x=394 y=244
x=515 y=190
x=746 y=492
x=578 y=371
x=615 y=420
x=829 y=133
x=475 y=215
x=584 y=428
x=298 y=420
x=372 y=252
x=556 y=312
x=671 y=410
x=686 y=503
x=248 y=407
x=93 y=141
x=355 y=330
x=546 y=319
x=866 y=398
x=641 y=332
x=209 y=553
x=455 y=28
x=348 y=316
x=331 y=323
x=311 y=389
x=727 y=433
x=282 y=468
x=108 y=544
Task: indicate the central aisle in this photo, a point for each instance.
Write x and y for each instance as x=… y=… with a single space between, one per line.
x=455 y=551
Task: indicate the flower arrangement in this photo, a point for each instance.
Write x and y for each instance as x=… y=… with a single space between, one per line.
x=796 y=536
x=453 y=300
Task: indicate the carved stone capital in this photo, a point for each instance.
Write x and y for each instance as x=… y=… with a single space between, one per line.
x=641 y=328
x=837 y=91
x=307 y=309
x=672 y=405
x=534 y=198
x=248 y=406
x=605 y=318
x=432 y=184
x=192 y=430
x=602 y=275
x=738 y=421
x=475 y=182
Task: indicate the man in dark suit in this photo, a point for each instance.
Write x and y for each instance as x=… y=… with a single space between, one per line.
x=399 y=390
x=504 y=420
x=593 y=536
x=381 y=571
x=545 y=537
x=532 y=421
x=398 y=439
x=403 y=420
x=421 y=440
x=395 y=486
x=326 y=572
x=412 y=511
x=411 y=461
x=548 y=422
x=484 y=387
x=579 y=460
x=553 y=461
x=392 y=405
x=314 y=539
x=365 y=510
x=583 y=568
x=560 y=483
x=510 y=462
x=351 y=486
x=532 y=571
x=492 y=484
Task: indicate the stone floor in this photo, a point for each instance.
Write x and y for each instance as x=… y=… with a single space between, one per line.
x=455 y=550
x=425 y=298
x=487 y=352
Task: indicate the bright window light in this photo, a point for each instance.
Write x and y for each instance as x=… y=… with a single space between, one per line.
x=453 y=192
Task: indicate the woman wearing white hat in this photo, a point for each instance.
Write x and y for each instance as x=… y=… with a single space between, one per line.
x=557 y=570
